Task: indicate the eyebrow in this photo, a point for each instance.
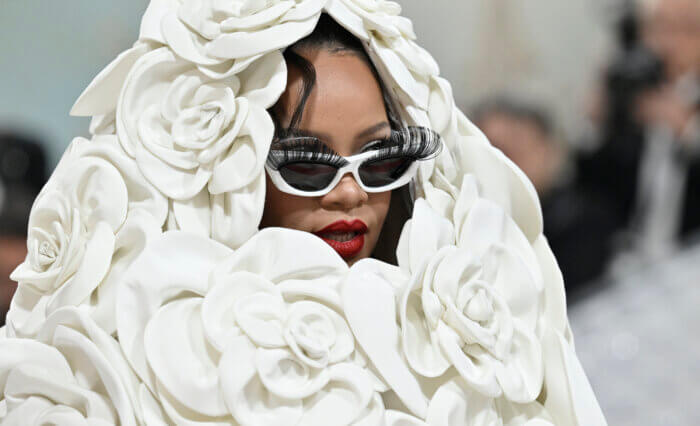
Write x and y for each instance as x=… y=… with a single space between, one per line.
x=362 y=135
x=372 y=130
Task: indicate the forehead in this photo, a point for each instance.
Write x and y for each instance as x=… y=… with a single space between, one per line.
x=346 y=100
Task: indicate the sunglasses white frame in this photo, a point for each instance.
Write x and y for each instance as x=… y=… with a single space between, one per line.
x=353 y=166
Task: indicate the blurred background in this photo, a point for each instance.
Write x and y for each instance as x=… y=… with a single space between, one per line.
x=598 y=101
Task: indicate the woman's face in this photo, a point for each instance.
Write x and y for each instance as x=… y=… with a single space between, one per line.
x=346 y=111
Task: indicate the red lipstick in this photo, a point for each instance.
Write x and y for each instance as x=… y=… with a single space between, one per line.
x=346 y=238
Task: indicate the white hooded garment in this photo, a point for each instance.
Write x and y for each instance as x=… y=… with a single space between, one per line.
x=149 y=295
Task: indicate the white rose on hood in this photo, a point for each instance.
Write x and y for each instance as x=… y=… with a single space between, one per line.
x=189 y=131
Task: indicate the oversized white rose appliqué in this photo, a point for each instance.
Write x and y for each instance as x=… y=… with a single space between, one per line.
x=72 y=374
x=474 y=306
x=254 y=335
x=96 y=204
x=297 y=354
x=189 y=130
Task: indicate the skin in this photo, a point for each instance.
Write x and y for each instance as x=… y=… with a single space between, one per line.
x=346 y=111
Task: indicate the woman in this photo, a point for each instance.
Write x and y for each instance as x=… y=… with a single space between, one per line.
x=335 y=105
x=174 y=277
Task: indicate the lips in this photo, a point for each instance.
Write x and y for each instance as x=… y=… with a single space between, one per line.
x=346 y=238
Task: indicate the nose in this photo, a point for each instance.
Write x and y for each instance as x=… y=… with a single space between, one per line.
x=345 y=196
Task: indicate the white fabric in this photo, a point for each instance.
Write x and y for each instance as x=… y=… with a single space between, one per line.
x=146 y=243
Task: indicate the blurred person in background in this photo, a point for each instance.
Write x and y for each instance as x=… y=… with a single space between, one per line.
x=648 y=162
x=22 y=175
x=577 y=224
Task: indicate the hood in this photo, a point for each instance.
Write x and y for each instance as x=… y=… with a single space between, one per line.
x=161 y=207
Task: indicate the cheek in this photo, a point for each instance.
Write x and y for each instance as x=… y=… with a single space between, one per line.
x=379 y=203
x=285 y=210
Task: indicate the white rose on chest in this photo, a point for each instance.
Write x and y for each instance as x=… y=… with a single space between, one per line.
x=474 y=306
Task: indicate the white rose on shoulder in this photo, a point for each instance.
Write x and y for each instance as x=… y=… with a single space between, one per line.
x=475 y=306
x=95 y=204
x=188 y=130
x=72 y=374
x=253 y=335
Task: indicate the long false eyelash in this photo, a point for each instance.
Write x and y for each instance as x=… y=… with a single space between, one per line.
x=417 y=143
x=300 y=149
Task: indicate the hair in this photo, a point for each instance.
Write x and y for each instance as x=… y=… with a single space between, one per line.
x=331 y=36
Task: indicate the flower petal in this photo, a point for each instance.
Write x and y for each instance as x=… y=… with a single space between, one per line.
x=242 y=44
x=235 y=216
x=570 y=398
x=271 y=246
x=246 y=397
x=187 y=44
x=455 y=404
x=521 y=375
x=263 y=18
x=194 y=215
x=172 y=264
x=419 y=341
x=480 y=377
x=264 y=81
x=428 y=232
x=245 y=160
x=344 y=399
x=369 y=306
x=102 y=94
x=285 y=376
x=174 y=338
x=347 y=18
x=94 y=267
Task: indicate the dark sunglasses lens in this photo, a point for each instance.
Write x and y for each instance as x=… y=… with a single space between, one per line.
x=375 y=174
x=308 y=176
